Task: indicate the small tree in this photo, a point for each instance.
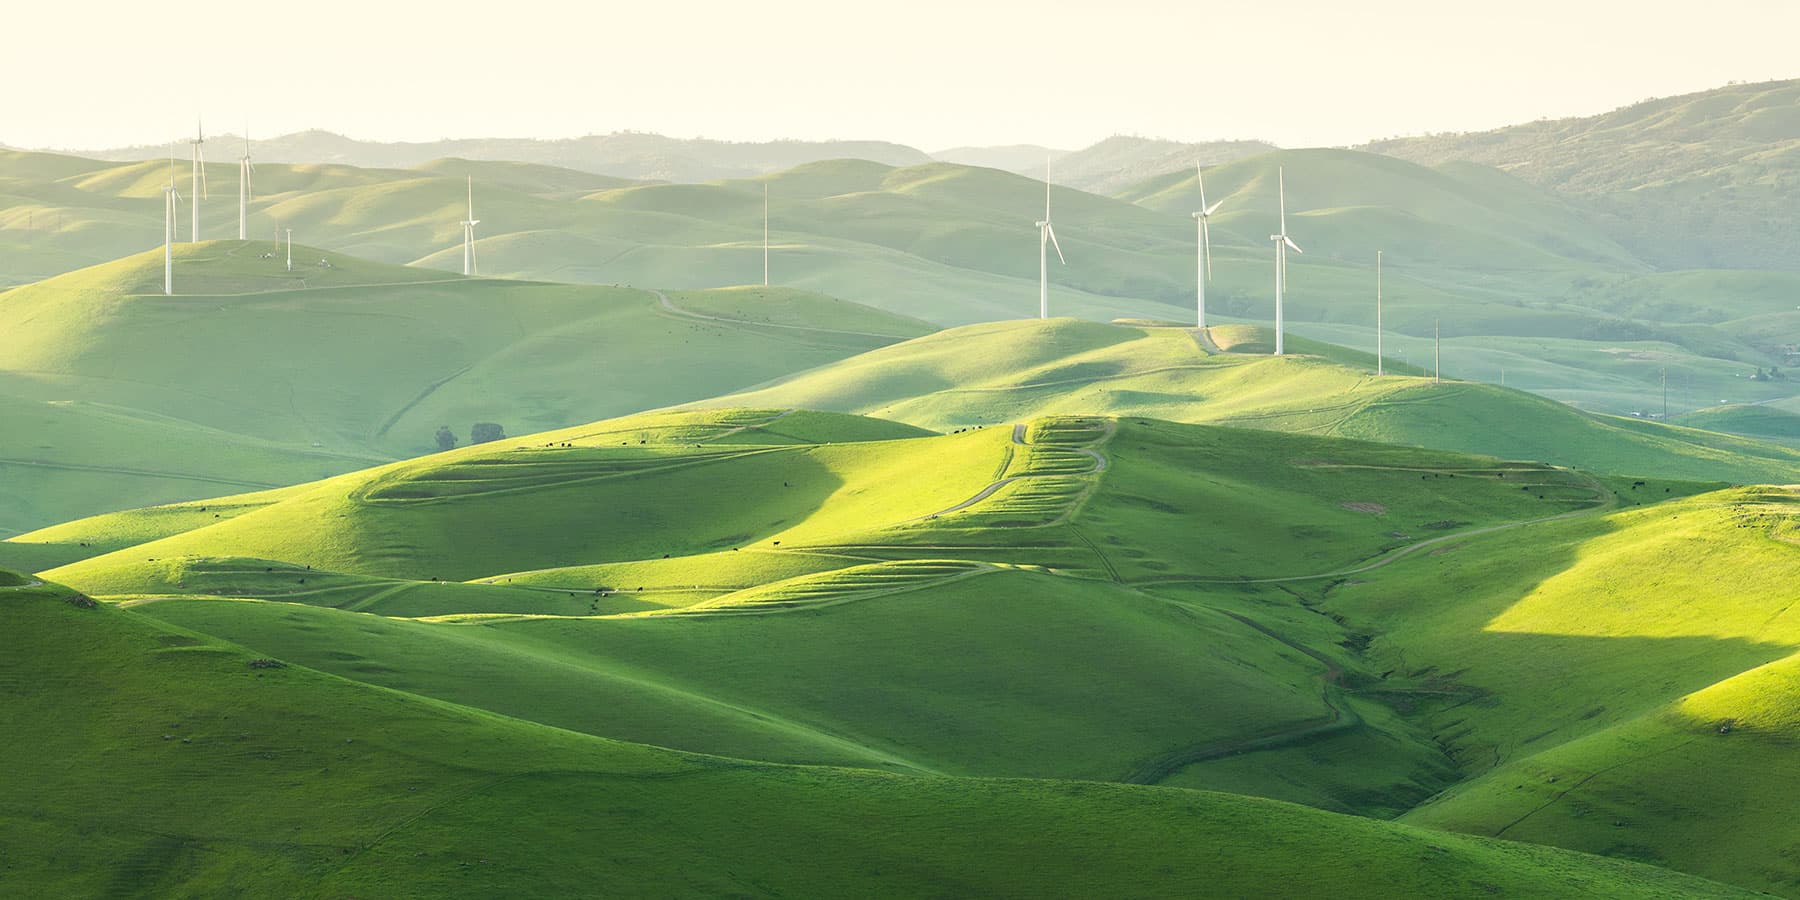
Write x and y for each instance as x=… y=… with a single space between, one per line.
x=486 y=431
x=446 y=439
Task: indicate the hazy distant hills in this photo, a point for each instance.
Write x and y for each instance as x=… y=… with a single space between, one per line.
x=1122 y=161
x=1707 y=180
x=622 y=154
x=1111 y=165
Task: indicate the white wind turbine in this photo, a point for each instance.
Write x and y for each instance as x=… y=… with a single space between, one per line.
x=1283 y=244
x=244 y=191
x=469 y=232
x=1046 y=240
x=171 y=209
x=197 y=184
x=1203 y=248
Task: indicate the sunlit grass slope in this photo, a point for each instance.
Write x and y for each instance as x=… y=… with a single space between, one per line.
x=1006 y=371
x=70 y=459
x=190 y=770
x=254 y=376
x=1615 y=683
x=663 y=560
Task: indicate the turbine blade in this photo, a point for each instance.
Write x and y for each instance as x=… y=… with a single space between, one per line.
x=1290 y=242
x=1052 y=232
x=1212 y=209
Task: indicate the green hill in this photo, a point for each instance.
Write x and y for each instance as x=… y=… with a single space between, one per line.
x=1499 y=263
x=377 y=792
x=1759 y=421
x=1000 y=372
x=1700 y=180
x=585 y=576
x=307 y=395
x=1353 y=626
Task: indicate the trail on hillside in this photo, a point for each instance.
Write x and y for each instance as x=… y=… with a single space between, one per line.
x=670 y=306
x=1338 y=718
x=1018 y=438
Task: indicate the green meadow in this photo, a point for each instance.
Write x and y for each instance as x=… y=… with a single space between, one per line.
x=609 y=570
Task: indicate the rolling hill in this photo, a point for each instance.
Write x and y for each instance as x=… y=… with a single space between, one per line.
x=1001 y=372
x=526 y=577
x=1697 y=181
x=1512 y=271
x=122 y=386
x=376 y=792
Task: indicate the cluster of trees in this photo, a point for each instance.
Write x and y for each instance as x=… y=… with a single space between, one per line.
x=479 y=433
x=1774 y=374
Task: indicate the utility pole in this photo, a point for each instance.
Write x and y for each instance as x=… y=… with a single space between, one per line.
x=765 y=234
x=290 y=249
x=1379 y=370
x=1435 y=369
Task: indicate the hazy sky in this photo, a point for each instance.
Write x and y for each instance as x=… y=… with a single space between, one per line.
x=931 y=73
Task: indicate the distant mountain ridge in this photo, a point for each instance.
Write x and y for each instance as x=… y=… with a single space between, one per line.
x=622 y=154
x=1705 y=180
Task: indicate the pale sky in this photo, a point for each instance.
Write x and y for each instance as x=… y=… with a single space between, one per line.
x=929 y=73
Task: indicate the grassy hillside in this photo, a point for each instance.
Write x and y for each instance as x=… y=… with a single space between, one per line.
x=385 y=793
x=1485 y=254
x=1358 y=627
x=1008 y=549
x=988 y=374
x=66 y=459
x=151 y=409
x=1666 y=748
x=1693 y=181
x=1761 y=421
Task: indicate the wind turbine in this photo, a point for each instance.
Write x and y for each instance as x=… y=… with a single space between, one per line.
x=197 y=183
x=765 y=234
x=171 y=209
x=469 y=232
x=244 y=191
x=1283 y=244
x=1203 y=248
x=1046 y=240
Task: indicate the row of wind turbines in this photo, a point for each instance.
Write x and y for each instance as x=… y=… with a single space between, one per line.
x=1203 y=259
x=197 y=190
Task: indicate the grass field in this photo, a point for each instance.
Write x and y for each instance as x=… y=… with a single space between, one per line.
x=1005 y=371
x=95 y=363
x=1504 y=265
x=286 y=781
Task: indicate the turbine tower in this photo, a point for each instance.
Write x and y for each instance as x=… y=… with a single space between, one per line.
x=244 y=190
x=197 y=183
x=1203 y=249
x=1282 y=245
x=1046 y=240
x=171 y=210
x=469 y=232
x=765 y=234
